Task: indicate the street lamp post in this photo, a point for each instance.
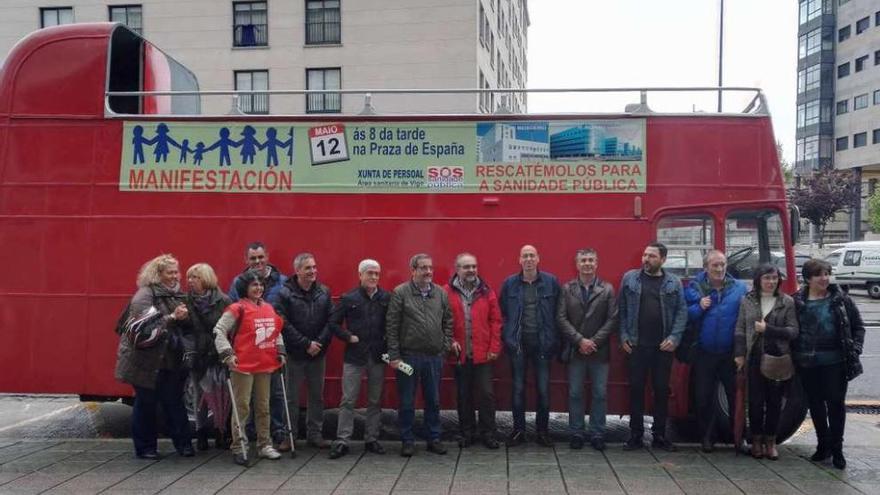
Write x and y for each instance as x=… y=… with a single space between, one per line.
x=720 y=53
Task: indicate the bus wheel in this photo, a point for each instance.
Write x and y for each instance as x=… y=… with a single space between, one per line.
x=874 y=290
x=794 y=411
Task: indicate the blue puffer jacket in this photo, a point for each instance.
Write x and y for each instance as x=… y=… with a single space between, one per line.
x=719 y=321
x=511 y=302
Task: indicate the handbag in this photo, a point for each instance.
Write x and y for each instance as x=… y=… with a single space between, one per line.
x=145 y=330
x=777 y=368
x=852 y=363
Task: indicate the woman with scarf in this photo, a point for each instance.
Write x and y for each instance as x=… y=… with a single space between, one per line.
x=766 y=325
x=205 y=304
x=156 y=372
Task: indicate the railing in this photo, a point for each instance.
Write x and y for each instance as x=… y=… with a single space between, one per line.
x=438 y=101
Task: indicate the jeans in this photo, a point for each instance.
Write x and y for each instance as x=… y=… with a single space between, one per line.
x=710 y=369
x=247 y=386
x=474 y=387
x=530 y=356
x=169 y=393
x=577 y=371
x=825 y=387
x=642 y=361
x=427 y=370
x=351 y=389
x=312 y=372
x=765 y=401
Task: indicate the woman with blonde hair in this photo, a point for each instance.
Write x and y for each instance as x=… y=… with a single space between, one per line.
x=155 y=370
x=205 y=304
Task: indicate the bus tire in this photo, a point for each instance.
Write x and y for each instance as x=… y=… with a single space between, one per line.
x=794 y=411
x=874 y=290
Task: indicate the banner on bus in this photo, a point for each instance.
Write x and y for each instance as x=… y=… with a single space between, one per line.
x=564 y=157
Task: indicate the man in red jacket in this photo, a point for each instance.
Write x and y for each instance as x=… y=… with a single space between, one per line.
x=477 y=344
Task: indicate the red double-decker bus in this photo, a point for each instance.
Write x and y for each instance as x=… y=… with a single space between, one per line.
x=105 y=162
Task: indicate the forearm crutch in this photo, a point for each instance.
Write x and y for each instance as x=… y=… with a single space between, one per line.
x=241 y=437
x=287 y=409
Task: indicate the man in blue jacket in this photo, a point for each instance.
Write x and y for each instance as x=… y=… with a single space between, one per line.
x=528 y=308
x=652 y=316
x=713 y=298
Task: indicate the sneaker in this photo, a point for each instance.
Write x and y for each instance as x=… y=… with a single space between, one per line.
x=239 y=459
x=338 y=450
x=598 y=443
x=269 y=452
x=374 y=447
x=282 y=445
x=319 y=443
x=576 y=443
x=663 y=444
x=151 y=455
x=634 y=443
x=517 y=437
x=407 y=449
x=436 y=447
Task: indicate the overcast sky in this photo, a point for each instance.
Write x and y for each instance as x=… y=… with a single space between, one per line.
x=638 y=43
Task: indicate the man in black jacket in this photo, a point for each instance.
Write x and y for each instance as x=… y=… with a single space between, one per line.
x=362 y=309
x=304 y=304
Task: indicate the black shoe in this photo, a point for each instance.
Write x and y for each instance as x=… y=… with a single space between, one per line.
x=408 y=449
x=838 y=460
x=437 y=447
x=820 y=455
x=338 y=450
x=664 y=444
x=202 y=440
x=187 y=451
x=150 y=456
x=374 y=447
x=239 y=459
x=517 y=437
x=465 y=441
x=576 y=443
x=598 y=443
x=634 y=443
x=543 y=439
x=490 y=443
x=707 y=446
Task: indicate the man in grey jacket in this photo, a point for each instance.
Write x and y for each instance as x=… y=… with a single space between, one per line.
x=586 y=318
x=418 y=330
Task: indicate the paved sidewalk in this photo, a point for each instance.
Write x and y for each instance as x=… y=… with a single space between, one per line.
x=107 y=466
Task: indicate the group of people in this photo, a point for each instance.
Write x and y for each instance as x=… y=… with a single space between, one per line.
x=269 y=324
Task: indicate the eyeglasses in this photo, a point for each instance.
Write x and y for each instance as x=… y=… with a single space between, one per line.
x=468 y=267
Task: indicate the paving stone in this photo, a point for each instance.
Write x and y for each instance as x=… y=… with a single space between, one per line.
x=595 y=485
x=317 y=482
x=715 y=487
x=653 y=486
x=34 y=483
x=824 y=487
x=763 y=487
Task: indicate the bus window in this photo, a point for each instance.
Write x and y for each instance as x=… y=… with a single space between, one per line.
x=752 y=238
x=687 y=239
x=137 y=65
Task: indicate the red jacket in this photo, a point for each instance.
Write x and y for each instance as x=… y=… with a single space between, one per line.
x=485 y=321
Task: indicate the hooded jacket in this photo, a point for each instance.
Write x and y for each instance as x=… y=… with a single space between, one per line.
x=485 y=321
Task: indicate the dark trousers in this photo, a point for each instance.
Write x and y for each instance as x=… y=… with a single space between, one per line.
x=427 y=371
x=642 y=361
x=168 y=393
x=519 y=363
x=710 y=369
x=765 y=401
x=474 y=387
x=825 y=387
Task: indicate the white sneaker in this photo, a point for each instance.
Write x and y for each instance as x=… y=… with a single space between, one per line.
x=269 y=452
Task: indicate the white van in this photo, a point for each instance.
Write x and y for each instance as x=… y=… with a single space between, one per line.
x=857 y=264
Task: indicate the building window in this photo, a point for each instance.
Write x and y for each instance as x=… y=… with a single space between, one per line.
x=863 y=24
x=813 y=42
x=56 y=16
x=842 y=143
x=323 y=79
x=860 y=102
x=877 y=97
x=877 y=18
x=877 y=57
x=842 y=107
x=323 y=22
x=841 y=2
x=843 y=34
x=875 y=136
x=860 y=63
x=860 y=139
x=252 y=80
x=811 y=9
x=250 y=24
x=842 y=70
x=130 y=15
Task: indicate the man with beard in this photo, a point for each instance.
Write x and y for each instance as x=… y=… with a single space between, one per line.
x=653 y=315
x=477 y=340
x=257 y=259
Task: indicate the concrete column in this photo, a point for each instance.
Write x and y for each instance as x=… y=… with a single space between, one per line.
x=855 y=218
